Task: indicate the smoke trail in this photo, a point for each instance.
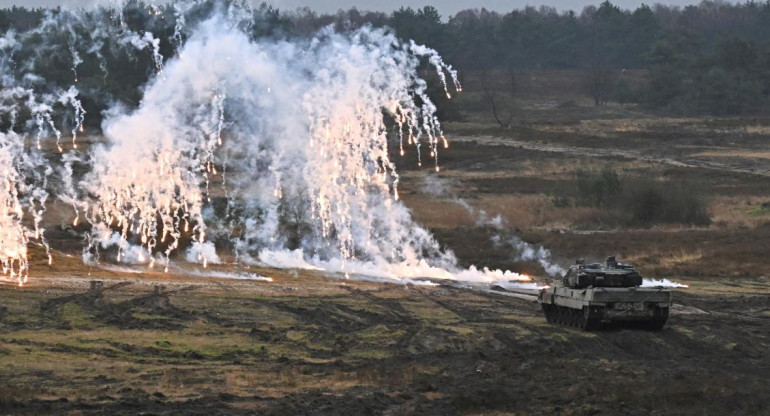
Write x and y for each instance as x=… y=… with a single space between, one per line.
x=29 y=106
x=24 y=173
x=661 y=283
x=528 y=252
x=306 y=144
x=17 y=169
x=280 y=147
x=504 y=237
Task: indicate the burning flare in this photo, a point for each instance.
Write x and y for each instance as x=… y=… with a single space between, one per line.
x=292 y=136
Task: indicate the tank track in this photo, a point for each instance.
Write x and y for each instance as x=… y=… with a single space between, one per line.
x=589 y=318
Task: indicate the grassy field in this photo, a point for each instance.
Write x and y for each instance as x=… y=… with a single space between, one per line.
x=526 y=172
x=306 y=343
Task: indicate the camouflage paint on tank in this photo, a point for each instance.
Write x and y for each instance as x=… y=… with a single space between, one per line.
x=591 y=294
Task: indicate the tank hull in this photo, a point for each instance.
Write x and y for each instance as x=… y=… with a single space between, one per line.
x=588 y=308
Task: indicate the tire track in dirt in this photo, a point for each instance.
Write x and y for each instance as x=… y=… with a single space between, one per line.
x=467 y=313
x=395 y=309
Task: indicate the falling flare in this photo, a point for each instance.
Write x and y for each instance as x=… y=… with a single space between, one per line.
x=323 y=151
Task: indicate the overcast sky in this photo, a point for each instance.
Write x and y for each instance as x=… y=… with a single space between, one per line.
x=445 y=7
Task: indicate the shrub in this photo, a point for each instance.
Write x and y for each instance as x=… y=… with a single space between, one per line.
x=637 y=201
x=599 y=189
x=649 y=202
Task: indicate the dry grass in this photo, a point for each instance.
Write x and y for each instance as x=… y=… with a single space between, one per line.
x=670 y=259
x=433 y=213
x=607 y=128
x=517 y=211
x=534 y=211
x=758 y=129
x=738 y=211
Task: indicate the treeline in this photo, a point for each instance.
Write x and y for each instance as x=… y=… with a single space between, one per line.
x=711 y=58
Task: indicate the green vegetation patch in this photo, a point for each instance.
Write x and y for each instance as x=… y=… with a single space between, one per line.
x=760 y=210
x=635 y=200
x=380 y=334
x=74 y=316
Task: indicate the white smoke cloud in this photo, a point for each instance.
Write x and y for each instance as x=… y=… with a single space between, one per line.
x=127 y=253
x=285 y=259
x=290 y=133
x=386 y=270
x=70 y=37
x=224 y=275
x=202 y=253
x=305 y=142
x=528 y=252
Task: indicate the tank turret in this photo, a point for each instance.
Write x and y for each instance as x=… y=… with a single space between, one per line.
x=612 y=274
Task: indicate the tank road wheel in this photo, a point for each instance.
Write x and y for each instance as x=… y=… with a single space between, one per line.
x=656 y=325
x=559 y=315
x=658 y=320
x=584 y=318
x=589 y=322
x=547 y=312
x=572 y=317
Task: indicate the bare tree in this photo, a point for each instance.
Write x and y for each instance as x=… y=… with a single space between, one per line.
x=501 y=98
x=600 y=82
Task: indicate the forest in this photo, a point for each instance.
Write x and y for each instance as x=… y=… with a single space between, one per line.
x=708 y=59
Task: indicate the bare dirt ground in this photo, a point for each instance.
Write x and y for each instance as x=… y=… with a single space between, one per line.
x=306 y=344
x=318 y=345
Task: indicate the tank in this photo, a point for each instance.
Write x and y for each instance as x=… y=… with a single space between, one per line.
x=592 y=294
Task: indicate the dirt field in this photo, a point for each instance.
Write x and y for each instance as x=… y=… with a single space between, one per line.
x=319 y=345
x=153 y=343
